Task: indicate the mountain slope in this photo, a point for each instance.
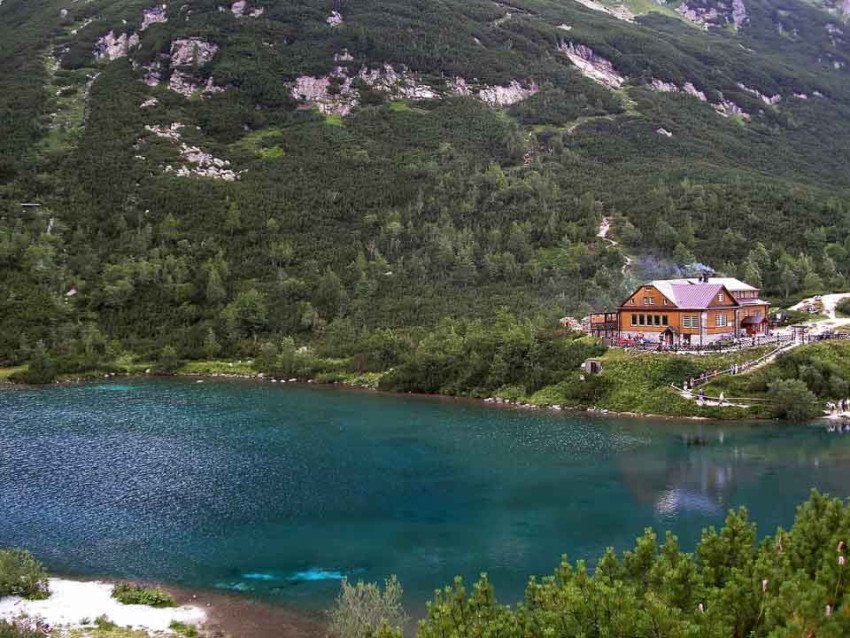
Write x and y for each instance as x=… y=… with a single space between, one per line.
x=267 y=168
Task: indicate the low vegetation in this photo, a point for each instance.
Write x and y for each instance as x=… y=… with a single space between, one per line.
x=131 y=594
x=793 y=583
x=15 y=630
x=22 y=575
x=367 y=609
x=820 y=372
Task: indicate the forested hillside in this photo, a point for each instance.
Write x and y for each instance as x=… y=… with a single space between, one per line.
x=205 y=177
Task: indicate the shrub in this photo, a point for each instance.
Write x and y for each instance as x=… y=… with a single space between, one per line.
x=22 y=575
x=792 y=400
x=168 y=361
x=792 y=584
x=40 y=368
x=843 y=307
x=12 y=630
x=182 y=629
x=130 y=594
x=364 y=610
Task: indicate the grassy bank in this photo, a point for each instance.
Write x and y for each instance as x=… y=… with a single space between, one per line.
x=635 y=383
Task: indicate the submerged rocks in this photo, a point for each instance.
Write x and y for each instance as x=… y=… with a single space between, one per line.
x=592 y=65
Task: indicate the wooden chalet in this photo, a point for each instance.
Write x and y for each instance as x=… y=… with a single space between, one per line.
x=686 y=312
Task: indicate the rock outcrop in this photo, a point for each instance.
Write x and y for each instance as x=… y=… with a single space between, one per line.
x=192 y=51
x=153 y=15
x=715 y=13
x=334 y=19
x=112 y=47
x=501 y=96
x=592 y=65
x=335 y=93
x=619 y=11
x=769 y=100
x=240 y=10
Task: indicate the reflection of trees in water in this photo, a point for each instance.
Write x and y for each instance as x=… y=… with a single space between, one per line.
x=700 y=469
x=688 y=476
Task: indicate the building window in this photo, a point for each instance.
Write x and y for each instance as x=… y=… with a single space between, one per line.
x=634 y=320
x=720 y=297
x=664 y=301
x=690 y=321
x=664 y=320
x=642 y=319
x=721 y=321
x=656 y=319
x=650 y=301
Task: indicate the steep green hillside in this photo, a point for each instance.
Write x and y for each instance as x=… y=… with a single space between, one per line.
x=211 y=176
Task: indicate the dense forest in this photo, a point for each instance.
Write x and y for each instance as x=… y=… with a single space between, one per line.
x=195 y=181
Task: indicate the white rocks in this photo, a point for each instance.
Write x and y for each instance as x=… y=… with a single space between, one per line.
x=727 y=108
x=591 y=65
x=739 y=13
x=664 y=131
x=690 y=89
x=499 y=96
x=334 y=19
x=565 y=27
x=621 y=12
x=343 y=56
x=801 y=96
x=240 y=10
x=171 y=132
x=112 y=47
x=186 y=85
x=670 y=87
x=153 y=73
x=768 y=100
x=151 y=101
x=397 y=84
x=720 y=14
x=153 y=15
x=192 y=51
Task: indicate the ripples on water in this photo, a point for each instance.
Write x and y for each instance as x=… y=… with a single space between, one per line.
x=283 y=491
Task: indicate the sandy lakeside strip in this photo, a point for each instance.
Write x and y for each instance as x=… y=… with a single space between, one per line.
x=75 y=604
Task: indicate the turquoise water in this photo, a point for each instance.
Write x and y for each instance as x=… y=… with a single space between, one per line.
x=279 y=492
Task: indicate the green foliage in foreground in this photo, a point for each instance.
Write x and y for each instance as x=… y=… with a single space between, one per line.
x=22 y=575
x=130 y=594
x=365 y=609
x=794 y=583
x=792 y=400
x=12 y=630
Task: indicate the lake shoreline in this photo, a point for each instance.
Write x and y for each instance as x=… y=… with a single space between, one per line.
x=225 y=613
x=490 y=402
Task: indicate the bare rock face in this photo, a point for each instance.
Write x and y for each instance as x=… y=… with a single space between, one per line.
x=153 y=15
x=171 y=132
x=190 y=51
x=664 y=132
x=203 y=164
x=727 y=108
x=112 y=47
x=187 y=86
x=500 y=96
x=240 y=10
x=592 y=66
x=768 y=100
x=714 y=13
x=621 y=12
x=151 y=101
x=334 y=19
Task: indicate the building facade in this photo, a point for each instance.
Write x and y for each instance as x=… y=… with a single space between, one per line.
x=687 y=312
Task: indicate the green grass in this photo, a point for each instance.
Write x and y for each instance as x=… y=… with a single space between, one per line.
x=333 y=120
x=264 y=143
x=5 y=373
x=130 y=594
x=217 y=367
